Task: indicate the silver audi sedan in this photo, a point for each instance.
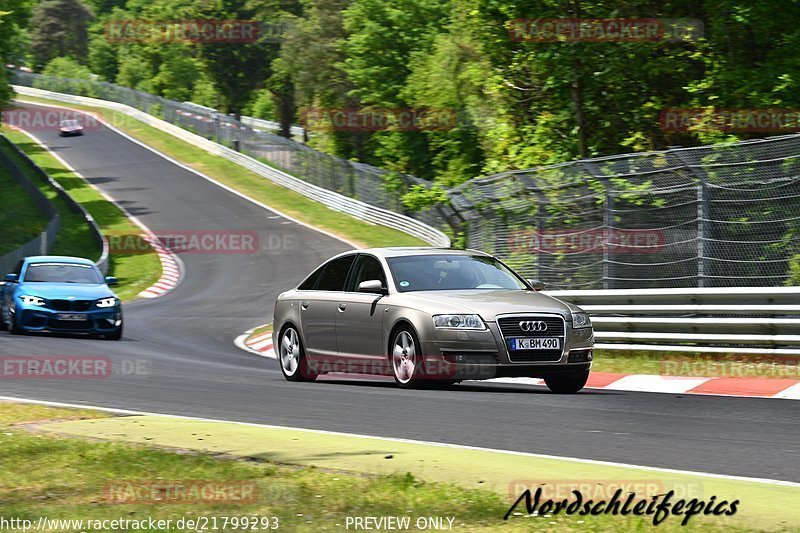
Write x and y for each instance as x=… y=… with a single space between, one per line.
x=429 y=316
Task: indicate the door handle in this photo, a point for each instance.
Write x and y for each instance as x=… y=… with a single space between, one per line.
x=342 y=307
x=304 y=305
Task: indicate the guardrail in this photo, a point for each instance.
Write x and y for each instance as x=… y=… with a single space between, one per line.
x=44 y=242
x=702 y=320
x=268 y=125
x=331 y=199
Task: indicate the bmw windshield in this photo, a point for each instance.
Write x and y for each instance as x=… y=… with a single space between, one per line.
x=62 y=273
x=451 y=272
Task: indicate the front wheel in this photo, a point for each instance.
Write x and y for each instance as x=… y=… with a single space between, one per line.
x=568 y=382
x=14 y=327
x=115 y=335
x=292 y=357
x=3 y=325
x=406 y=359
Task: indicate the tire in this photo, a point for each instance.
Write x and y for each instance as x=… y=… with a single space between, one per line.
x=405 y=358
x=3 y=325
x=567 y=383
x=292 y=356
x=115 y=335
x=15 y=328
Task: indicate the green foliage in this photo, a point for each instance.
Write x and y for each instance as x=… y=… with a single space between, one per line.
x=59 y=28
x=135 y=72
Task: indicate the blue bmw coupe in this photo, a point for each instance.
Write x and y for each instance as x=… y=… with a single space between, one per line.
x=59 y=294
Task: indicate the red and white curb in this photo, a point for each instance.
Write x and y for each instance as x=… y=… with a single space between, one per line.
x=788 y=389
x=170 y=270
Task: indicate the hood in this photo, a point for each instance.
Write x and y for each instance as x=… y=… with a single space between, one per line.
x=62 y=291
x=487 y=303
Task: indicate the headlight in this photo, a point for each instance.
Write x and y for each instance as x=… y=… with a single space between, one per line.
x=581 y=320
x=32 y=300
x=107 y=302
x=459 y=322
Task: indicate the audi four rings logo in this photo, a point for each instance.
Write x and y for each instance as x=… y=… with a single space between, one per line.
x=532 y=325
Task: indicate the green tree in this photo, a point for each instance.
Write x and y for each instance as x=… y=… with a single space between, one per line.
x=59 y=28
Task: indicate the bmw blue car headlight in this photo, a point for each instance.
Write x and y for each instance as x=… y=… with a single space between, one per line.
x=581 y=320
x=32 y=300
x=459 y=322
x=107 y=302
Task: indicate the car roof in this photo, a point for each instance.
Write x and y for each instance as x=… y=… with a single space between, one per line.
x=58 y=259
x=404 y=251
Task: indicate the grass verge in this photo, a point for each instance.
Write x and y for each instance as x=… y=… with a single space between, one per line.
x=47 y=473
x=135 y=271
x=249 y=183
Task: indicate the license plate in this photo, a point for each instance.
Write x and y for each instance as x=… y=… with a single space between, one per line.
x=72 y=318
x=540 y=343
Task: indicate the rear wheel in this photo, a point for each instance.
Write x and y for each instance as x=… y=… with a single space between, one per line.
x=405 y=358
x=292 y=357
x=3 y=325
x=567 y=383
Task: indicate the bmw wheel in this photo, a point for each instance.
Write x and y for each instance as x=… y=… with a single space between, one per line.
x=116 y=334
x=14 y=327
x=292 y=357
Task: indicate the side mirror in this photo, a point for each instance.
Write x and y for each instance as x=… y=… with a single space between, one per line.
x=111 y=280
x=372 y=285
x=536 y=284
x=11 y=278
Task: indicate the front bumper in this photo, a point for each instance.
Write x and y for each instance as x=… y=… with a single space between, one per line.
x=42 y=319
x=455 y=354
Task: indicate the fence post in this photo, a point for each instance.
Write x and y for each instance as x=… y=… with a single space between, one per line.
x=702 y=228
x=609 y=224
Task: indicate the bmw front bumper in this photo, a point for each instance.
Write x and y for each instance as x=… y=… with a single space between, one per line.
x=95 y=321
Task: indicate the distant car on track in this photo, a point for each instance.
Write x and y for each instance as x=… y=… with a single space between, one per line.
x=429 y=315
x=70 y=127
x=60 y=294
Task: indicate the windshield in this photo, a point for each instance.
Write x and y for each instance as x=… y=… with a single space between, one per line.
x=62 y=273
x=69 y=123
x=450 y=272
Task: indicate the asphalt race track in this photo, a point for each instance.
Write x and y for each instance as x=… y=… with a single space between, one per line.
x=185 y=341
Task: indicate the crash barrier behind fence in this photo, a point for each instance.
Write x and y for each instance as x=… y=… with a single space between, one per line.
x=752 y=320
x=713 y=216
x=43 y=243
x=360 y=190
x=725 y=215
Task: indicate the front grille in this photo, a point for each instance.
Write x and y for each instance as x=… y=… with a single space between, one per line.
x=70 y=324
x=71 y=305
x=509 y=327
